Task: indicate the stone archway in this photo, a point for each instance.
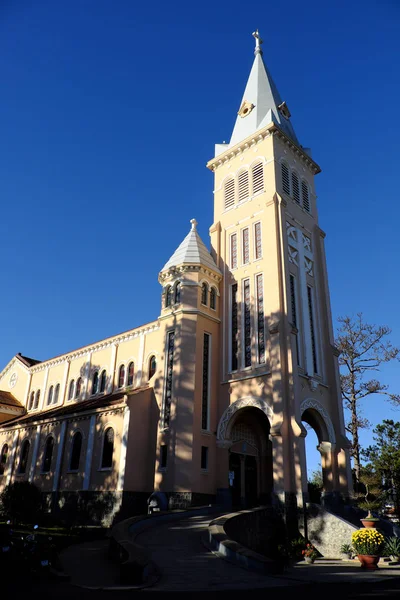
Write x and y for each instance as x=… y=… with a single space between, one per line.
x=244 y=431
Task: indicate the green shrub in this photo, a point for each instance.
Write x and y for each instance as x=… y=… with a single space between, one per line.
x=20 y=502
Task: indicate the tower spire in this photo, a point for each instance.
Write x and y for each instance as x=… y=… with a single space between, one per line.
x=259 y=41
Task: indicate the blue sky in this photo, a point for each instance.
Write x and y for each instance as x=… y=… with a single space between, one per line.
x=109 y=112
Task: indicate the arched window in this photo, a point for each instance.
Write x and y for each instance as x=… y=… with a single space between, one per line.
x=108 y=448
x=229 y=192
x=31 y=401
x=23 y=459
x=285 y=178
x=152 y=366
x=37 y=398
x=168 y=296
x=71 y=389
x=3 y=459
x=204 y=294
x=103 y=380
x=48 y=454
x=121 y=376
x=76 y=448
x=131 y=373
x=178 y=292
x=50 y=396
x=295 y=187
x=95 y=382
x=243 y=186
x=56 y=393
x=213 y=298
x=258 y=177
x=305 y=196
x=78 y=389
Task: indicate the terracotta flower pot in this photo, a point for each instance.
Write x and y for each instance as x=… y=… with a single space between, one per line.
x=368 y=561
x=369 y=523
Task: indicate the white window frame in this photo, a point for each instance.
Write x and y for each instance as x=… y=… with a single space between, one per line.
x=255 y=241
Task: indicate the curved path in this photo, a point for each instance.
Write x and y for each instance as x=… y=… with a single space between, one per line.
x=187 y=565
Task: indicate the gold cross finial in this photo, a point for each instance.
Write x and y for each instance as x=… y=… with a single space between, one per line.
x=259 y=41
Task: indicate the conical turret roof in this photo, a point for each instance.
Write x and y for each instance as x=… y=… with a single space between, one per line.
x=192 y=251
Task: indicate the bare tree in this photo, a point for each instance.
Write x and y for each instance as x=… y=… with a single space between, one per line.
x=363 y=348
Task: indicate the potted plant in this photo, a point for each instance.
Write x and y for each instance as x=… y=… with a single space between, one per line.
x=310 y=553
x=347 y=550
x=392 y=548
x=371 y=499
x=368 y=544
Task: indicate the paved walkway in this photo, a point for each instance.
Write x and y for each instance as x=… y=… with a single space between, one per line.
x=187 y=565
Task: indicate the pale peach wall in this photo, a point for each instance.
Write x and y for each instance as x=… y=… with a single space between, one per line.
x=106 y=479
x=73 y=481
x=19 y=389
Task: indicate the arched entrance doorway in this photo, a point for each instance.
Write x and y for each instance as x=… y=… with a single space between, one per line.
x=250 y=458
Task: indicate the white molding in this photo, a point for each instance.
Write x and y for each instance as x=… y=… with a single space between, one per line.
x=113 y=363
x=239 y=404
x=27 y=390
x=139 y=375
x=123 y=450
x=89 y=452
x=315 y=405
x=56 y=477
x=43 y=395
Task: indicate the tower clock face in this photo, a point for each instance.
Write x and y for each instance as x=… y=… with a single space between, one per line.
x=13 y=380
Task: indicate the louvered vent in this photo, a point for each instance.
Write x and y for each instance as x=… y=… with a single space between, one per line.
x=229 y=193
x=306 y=196
x=285 y=178
x=258 y=178
x=296 y=188
x=243 y=181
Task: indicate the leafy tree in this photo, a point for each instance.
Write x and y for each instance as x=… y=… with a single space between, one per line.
x=20 y=502
x=371 y=496
x=315 y=486
x=384 y=458
x=363 y=348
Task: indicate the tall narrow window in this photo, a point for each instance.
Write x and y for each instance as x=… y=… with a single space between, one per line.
x=258 y=177
x=103 y=381
x=131 y=373
x=56 y=393
x=295 y=187
x=95 y=382
x=204 y=458
x=168 y=296
x=260 y=319
x=312 y=328
x=121 y=376
x=78 y=388
x=48 y=454
x=31 y=401
x=37 y=398
x=243 y=185
x=285 y=178
x=71 y=390
x=23 y=459
x=108 y=448
x=3 y=458
x=76 y=448
x=257 y=241
x=213 y=298
x=305 y=196
x=247 y=323
x=234 y=328
x=233 y=251
x=152 y=366
x=178 y=292
x=204 y=294
x=205 y=394
x=294 y=312
x=245 y=246
x=50 y=395
x=169 y=377
x=229 y=193
x=163 y=456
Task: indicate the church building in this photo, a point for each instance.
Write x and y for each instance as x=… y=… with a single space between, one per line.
x=207 y=403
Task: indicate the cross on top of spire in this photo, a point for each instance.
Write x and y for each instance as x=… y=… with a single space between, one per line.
x=259 y=41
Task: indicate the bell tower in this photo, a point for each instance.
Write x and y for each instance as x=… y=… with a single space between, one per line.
x=277 y=352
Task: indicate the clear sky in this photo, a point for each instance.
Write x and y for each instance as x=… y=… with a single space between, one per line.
x=110 y=110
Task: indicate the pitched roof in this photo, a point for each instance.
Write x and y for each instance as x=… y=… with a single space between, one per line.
x=192 y=251
x=263 y=94
x=28 y=362
x=9 y=400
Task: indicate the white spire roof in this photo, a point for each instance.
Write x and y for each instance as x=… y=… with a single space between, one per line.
x=261 y=96
x=192 y=251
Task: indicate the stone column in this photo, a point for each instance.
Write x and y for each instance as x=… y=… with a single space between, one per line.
x=224 y=496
